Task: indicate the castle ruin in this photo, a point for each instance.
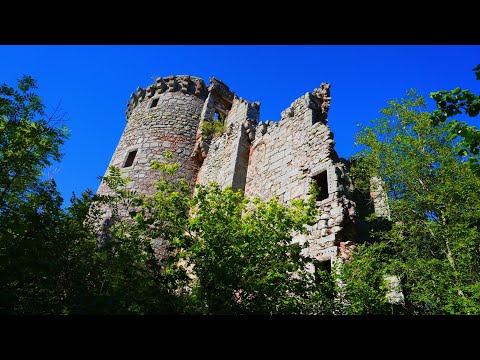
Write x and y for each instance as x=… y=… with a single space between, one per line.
x=261 y=158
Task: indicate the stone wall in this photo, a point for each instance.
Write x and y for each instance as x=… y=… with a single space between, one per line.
x=164 y=117
x=288 y=155
x=379 y=197
x=267 y=159
x=160 y=120
x=228 y=155
x=282 y=159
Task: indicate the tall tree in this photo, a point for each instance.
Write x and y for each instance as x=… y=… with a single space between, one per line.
x=29 y=140
x=432 y=241
x=455 y=102
x=45 y=251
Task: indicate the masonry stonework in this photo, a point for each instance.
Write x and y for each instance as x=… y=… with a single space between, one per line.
x=163 y=117
x=269 y=159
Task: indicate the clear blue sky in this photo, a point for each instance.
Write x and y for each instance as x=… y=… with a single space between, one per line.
x=93 y=84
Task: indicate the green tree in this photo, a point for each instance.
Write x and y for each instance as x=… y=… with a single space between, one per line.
x=29 y=141
x=27 y=144
x=129 y=278
x=226 y=254
x=46 y=258
x=242 y=256
x=46 y=252
x=456 y=102
x=432 y=241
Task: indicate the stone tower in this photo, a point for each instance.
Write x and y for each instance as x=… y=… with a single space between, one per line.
x=266 y=159
x=166 y=116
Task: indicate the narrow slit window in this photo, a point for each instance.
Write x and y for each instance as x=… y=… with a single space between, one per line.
x=322 y=182
x=154 y=103
x=130 y=158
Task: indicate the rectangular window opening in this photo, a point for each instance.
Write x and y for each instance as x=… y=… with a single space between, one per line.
x=130 y=158
x=326 y=265
x=154 y=103
x=322 y=182
x=218 y=116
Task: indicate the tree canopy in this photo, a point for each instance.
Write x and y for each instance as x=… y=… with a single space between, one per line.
x=455 y=102
x=431 y=242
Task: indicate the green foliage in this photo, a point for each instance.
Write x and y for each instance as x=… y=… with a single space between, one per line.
x=213 y=128
x=224 y=254
x=241 y=252
x=45 y=254
x=455 y=102
x=432 y=242
x=50 y=261
x=130 y=280
x=42 y=247
x=29 y=141
x=217 y=252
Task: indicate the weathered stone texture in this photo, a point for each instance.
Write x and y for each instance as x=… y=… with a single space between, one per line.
x=228 y=155
x=170 y=125
x=379 y=197
x=165 y=117
x=287 y=155
x=267 y=159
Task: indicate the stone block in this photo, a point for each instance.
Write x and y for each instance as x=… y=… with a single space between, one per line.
x=297 y=192
x=330 y=237
x=276 y=165
x=394 y=290
x=328 y=253
x=336 y=229
x=325 y=216
x=336 y=211
x=322 y=224
x=298 y=239
x=339 y=220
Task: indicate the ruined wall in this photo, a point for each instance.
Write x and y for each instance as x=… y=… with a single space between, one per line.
x=228 y=155
x=266 y=159
x=379 y=197
x=282 y=159
x=288 y=155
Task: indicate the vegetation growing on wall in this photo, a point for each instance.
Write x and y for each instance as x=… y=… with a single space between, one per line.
x=214 y=128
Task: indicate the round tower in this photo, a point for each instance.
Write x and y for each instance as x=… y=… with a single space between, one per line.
x=164 y=116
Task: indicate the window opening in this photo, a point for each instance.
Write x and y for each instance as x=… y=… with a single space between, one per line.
x=130 y=158
x=321 y=180
x=154 y=103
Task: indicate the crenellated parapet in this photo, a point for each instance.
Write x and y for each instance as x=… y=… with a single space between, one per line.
x=180 y=83
x=216 y=136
